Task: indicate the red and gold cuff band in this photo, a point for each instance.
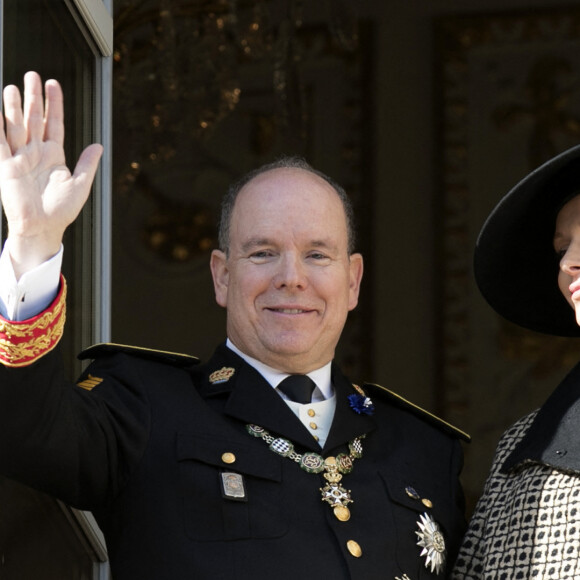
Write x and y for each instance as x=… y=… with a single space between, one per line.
x=24 y=342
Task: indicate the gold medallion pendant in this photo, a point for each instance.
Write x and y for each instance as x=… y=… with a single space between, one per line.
x=333 y=493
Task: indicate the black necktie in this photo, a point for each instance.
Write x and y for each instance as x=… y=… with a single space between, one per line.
x=298 y=388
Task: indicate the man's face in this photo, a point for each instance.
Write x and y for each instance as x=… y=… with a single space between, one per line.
x=288 y=282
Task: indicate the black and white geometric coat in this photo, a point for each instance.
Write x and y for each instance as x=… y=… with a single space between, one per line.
x=527 y=521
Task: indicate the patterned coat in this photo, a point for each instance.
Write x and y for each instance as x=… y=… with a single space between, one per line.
x=527 y=521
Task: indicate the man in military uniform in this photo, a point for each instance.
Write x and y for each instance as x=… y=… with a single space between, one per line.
x=266 y=461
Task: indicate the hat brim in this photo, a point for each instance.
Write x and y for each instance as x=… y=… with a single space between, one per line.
x=515 y=266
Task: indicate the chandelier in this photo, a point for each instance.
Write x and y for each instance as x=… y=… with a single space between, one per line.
x=189 y=53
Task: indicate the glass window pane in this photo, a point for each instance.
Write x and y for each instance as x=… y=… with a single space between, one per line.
x=37 y=541
x=43 y=35
x=39 y=537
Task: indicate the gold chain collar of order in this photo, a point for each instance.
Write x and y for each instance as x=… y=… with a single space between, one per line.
x=332 y=468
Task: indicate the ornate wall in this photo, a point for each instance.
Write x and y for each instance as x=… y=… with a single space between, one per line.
x=509 y=99
x=428 y=111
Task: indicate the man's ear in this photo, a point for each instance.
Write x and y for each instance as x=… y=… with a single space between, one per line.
x=220 y=274
x=356 y=273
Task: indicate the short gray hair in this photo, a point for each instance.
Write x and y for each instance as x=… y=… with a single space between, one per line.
x=294 y=162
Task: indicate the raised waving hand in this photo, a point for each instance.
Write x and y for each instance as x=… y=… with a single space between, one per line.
x=40 y=195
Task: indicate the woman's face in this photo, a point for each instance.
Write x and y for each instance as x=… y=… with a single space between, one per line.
x=567 y=246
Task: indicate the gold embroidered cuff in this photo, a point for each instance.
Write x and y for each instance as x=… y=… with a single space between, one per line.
x=24 y=342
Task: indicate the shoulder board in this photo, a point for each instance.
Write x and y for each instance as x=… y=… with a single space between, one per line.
x=433 y=419
x=174 y=358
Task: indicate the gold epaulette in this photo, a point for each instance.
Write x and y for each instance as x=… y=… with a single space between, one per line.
x=433 y=419
x=107 y=348
x=24 y=342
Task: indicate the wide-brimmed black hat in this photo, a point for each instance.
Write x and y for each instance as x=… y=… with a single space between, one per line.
x=515 y=265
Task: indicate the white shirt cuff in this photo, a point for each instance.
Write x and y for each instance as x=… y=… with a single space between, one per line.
x=34 y=292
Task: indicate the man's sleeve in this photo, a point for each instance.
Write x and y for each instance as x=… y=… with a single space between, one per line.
x=33 y=293
x=32 y=311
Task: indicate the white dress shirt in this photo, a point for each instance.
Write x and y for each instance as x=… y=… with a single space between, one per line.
x=33 y=293
x=316 y=416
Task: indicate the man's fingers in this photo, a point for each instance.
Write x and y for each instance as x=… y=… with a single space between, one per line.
x=87 y=165
x=15 y=130
x=29 y=122
x=54 y=117
x=5 y=152
x=33 y=107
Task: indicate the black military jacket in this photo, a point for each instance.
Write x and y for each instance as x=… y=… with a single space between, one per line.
x=144 y=439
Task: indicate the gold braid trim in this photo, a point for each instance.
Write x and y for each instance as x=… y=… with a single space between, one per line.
x=24 y=342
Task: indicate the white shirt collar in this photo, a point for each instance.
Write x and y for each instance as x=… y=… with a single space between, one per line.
x=320 y=376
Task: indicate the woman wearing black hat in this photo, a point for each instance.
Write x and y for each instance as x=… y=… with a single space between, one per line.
x=527 y=266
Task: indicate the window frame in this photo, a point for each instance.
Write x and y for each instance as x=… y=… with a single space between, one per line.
x=98 y=21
